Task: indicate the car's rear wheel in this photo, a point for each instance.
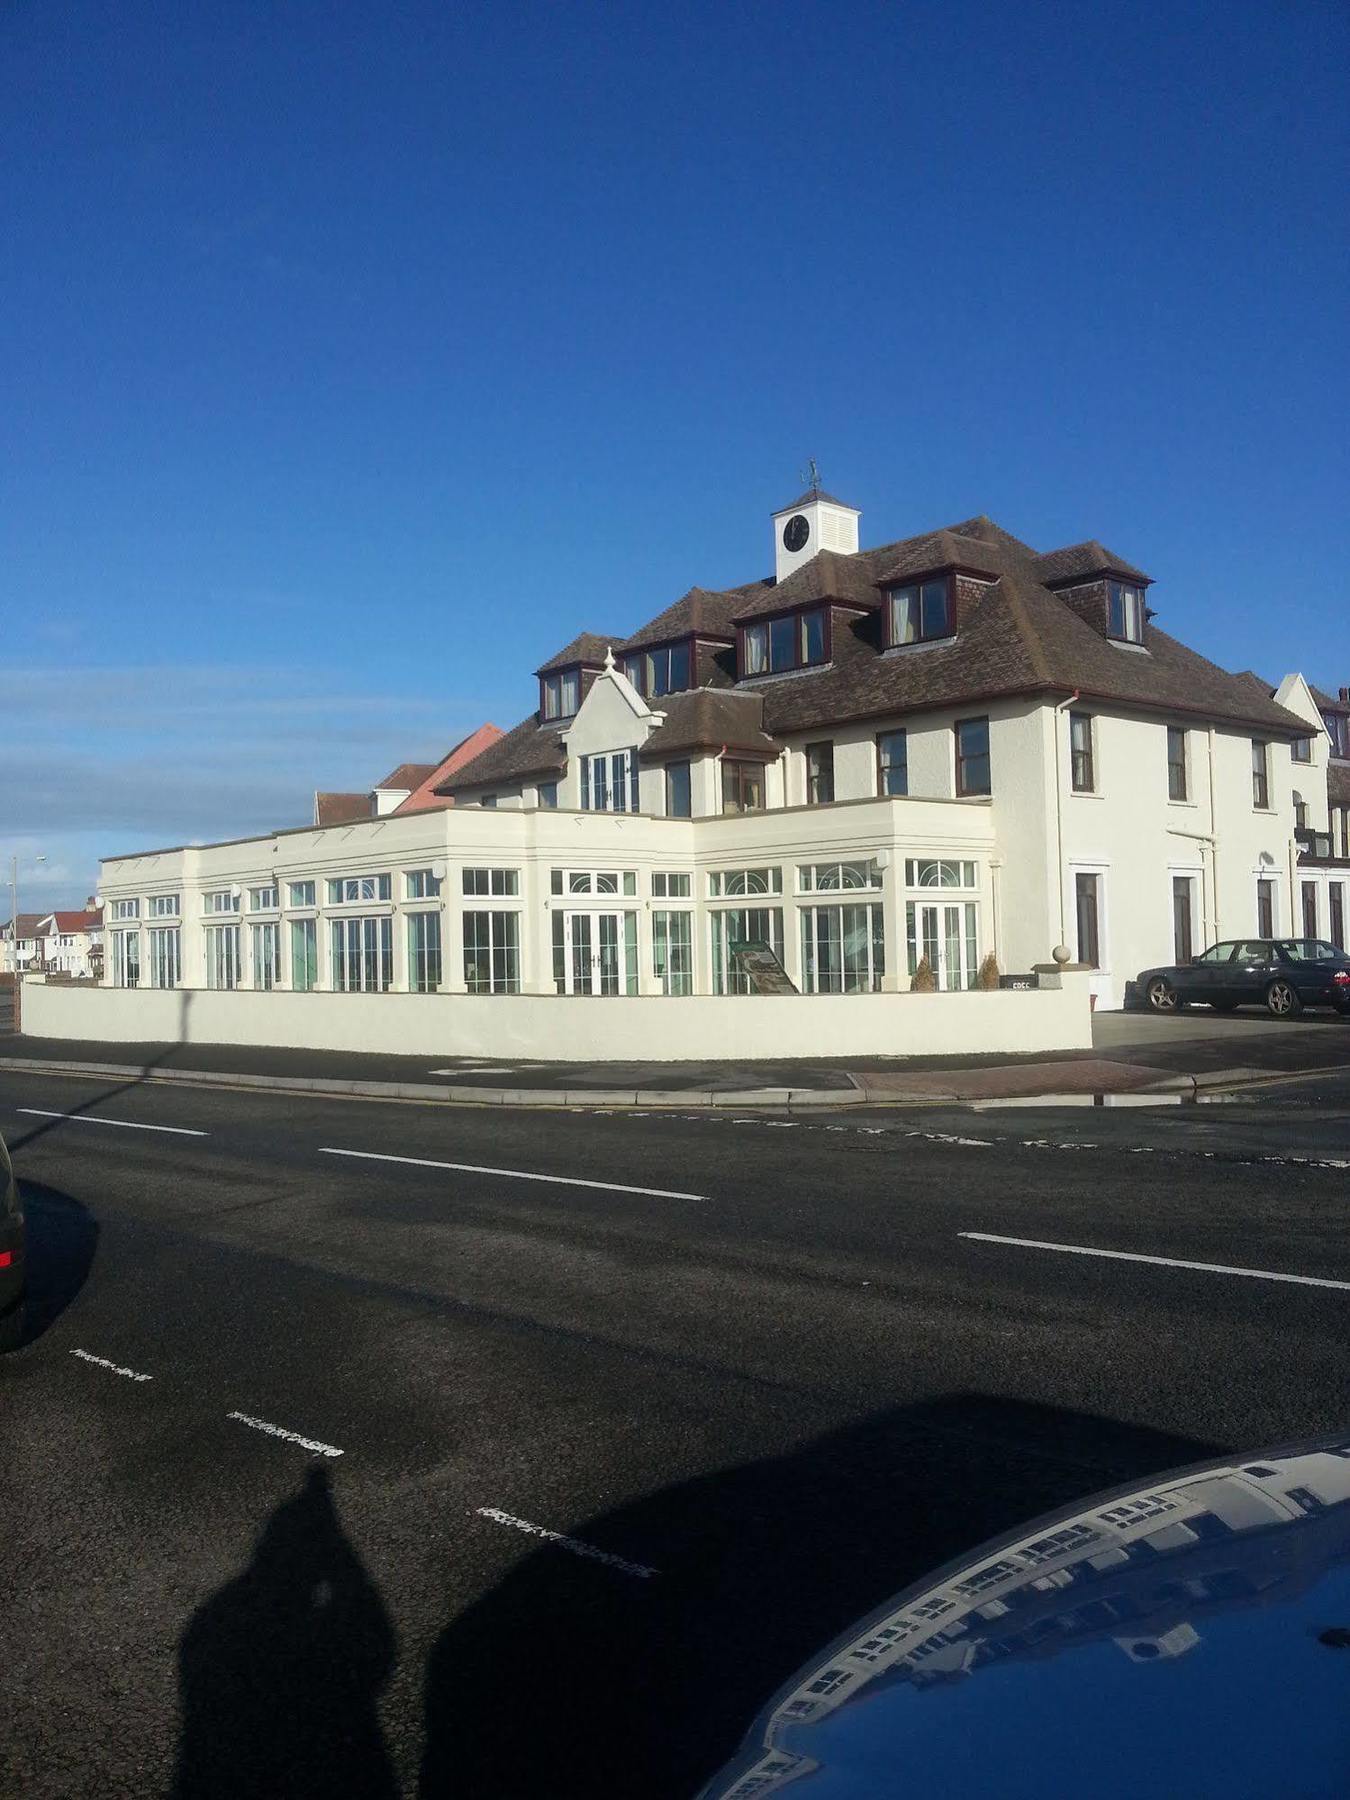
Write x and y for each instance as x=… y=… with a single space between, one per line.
x=1282 y=1000
x=1162 y=996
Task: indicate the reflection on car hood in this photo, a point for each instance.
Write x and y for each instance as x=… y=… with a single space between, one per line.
x=1190 y=1636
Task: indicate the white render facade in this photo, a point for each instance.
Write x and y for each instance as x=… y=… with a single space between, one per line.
x=1123 y=829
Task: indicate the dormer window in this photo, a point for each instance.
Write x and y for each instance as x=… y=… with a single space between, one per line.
x=919 y=612
x=664 y=669
x=1338 y=730
x=1125 y=617
x=560 y=695
x=792 y=641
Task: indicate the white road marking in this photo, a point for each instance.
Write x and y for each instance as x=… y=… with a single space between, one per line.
x=1166 y=1262
x=422 y=1162
x=566 y=1543
x=38 y=1112
x=116 y=1368
x=291 y=1437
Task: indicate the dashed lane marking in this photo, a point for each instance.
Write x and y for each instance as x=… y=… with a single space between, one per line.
x=102 y=1362
x=290 y=1437
x=423 y=1162
x=575 y=1545
x=37 y=1112
x=1165 y=1262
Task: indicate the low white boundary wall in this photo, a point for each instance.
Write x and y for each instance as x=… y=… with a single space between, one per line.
x=543 y=1028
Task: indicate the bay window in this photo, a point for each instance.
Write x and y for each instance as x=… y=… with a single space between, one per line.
x=919 y=612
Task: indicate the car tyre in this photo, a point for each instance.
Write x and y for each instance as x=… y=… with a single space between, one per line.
x=1161 y=995
x=1282 y=1000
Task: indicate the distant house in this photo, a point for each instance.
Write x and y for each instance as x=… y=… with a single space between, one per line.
x=22 y=947
x=71 y=943
x=408 y=788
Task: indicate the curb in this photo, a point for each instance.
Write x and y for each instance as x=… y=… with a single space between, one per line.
x=780 y=1098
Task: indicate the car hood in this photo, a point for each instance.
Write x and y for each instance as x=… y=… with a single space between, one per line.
x=1189 y=1635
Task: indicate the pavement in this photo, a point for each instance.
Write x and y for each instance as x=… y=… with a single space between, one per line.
x=386 y=1450
x=1132 y=1053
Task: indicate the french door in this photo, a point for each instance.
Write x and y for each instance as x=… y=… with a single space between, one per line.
x=945 y=934
x=595 y=952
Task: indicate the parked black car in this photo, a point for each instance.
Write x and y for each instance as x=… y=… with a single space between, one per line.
x=1282 y=974
x=11 y=1254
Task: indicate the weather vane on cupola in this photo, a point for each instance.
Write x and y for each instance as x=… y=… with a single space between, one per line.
x=811 y=475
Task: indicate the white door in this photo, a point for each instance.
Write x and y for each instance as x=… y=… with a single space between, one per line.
x=947 y=939
x=593 y=952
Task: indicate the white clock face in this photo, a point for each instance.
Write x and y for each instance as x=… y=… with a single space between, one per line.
x=796 y=532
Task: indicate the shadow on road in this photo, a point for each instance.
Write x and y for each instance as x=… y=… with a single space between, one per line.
x=572 y=1679
x=164 y=1057
x=62 y=1237
x=280 y=1671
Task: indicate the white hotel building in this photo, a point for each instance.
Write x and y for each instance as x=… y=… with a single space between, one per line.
x=948 y=746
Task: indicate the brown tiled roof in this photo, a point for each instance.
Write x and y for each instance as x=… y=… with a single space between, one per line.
x=700 y=613
x=940 y=550
x=829 y=575
x=28 y=924
x=340 y=809
x=707 y=718
x=529 y=750
x=1329 y=702
x=408 y=775
x=586 y=647
x=1079 y=562
x=1017 y=636
x=1338 y=783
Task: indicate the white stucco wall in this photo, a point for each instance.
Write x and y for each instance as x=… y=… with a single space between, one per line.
x=1056 y=1017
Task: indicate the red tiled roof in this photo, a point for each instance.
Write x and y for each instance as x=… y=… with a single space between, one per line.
x=424 y=797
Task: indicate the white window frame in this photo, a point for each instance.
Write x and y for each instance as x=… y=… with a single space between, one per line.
x=668 y=952
x=569 y=883
x=609 y=782
x=265 y=953
x=126 y=959
x=809 y=919
x=358 y=943
x=421 y=884
x=499 y=945
x=164 y=906
x=165 y=955
x=672 y=884
x=425 y=923
x=220 y=900
x=736 y=884
x=839 y=877
x=263 y=899
x=223 y=957
x=480 y=883
x=125 y=909
x=359 y=890
x=301 y=894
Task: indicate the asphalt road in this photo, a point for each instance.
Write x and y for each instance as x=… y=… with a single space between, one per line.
x=751 y=1370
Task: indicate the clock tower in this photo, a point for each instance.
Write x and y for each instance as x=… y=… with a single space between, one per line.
x=814 y=521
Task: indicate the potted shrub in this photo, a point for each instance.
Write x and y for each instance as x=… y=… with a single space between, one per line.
x=923 y=980
x=987 y=979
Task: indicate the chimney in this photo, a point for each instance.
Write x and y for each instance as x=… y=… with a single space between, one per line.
x=1345 y=696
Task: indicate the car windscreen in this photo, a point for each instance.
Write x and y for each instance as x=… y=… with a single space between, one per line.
x=1310 y=950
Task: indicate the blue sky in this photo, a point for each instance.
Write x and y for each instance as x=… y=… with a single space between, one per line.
x=355 y=357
